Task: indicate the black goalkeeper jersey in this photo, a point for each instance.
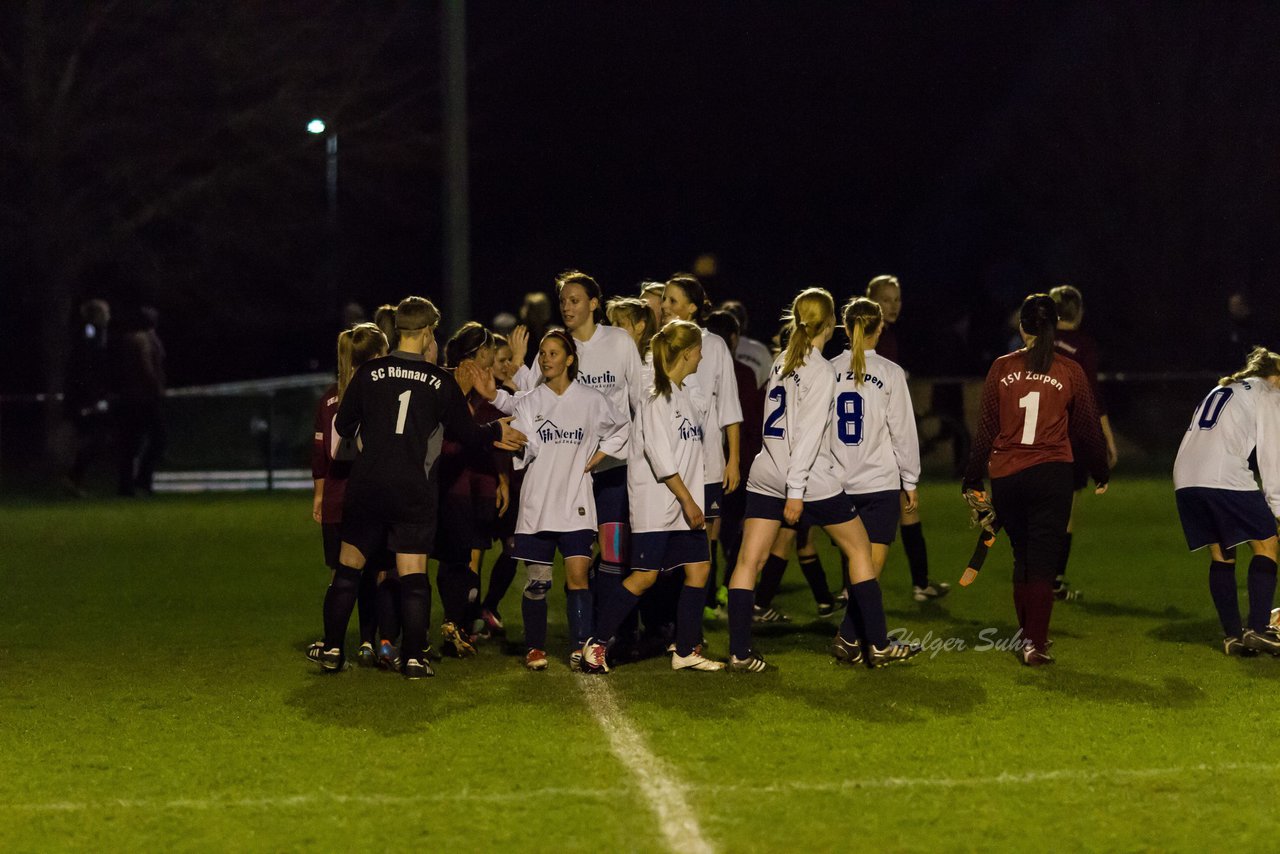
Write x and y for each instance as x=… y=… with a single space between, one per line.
x=401 y=405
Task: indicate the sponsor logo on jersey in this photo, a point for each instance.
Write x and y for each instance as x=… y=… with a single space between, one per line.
x=608 y=378
x=550 y=434
x=689 y=430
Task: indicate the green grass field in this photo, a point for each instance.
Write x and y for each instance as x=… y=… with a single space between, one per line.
x=153 y=696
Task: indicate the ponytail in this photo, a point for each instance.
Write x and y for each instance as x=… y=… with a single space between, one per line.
x=1261 y=363
x=811 y=312
x=1039 y=318
x=667 y=345
x=694 y=292
x=862 y=319
x=357 y=345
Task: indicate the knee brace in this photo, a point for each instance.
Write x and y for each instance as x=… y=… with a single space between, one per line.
x=539 y=583
x=614 y=538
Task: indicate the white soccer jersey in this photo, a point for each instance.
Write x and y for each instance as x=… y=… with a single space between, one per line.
x=564 y=431
x=755 y=356
x=666 y=439
x=1225 y=429
x=795 y=460
x=874 y=439
x=717 y=388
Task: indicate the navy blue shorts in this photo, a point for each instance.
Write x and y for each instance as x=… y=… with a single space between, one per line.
x=713 y=493
x=879 y=513
x=1227 y=517
x=664 y=550
x=610 y=490
x=541 y=547
x=825 y=512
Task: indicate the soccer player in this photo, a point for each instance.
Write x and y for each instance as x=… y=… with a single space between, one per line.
x=572 y=429
x=886 y=291
x=1073 y=342
x=476 y=481
x=398 y=405
x=330 y=465
x=796 y=474
x=508 y=357
x=664 y=484
x=685 y=299
x=1034 y=405
x=750 y=352
x=874 y=441
x=1219 y=503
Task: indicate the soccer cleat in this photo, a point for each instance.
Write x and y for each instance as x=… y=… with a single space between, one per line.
x=1265 y=641
x=535 y=659
x=1033 y=657
x=417 y=668
x=830 y=610
x=493 y=620
x=695 y=661
x=753 y=663
x=843 y=596
x=594 y=657
x=846 y=652
x=313 y=651
x=1063 y=593
x=388 y=659
x=330 y=660
x=934 y=591
x=1275 y=618
x=769 y=615
x=896 y=651
x=455 y=642
x=575 y=660
x=365 y=657
x=1235 y=646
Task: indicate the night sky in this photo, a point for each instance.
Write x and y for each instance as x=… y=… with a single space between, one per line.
x=977 y=151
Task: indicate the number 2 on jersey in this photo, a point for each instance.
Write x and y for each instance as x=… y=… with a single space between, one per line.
x=1031 y=403
x=404 y=411
x=771 y=428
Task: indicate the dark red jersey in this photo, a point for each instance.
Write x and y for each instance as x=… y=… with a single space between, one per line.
x=1080 y=346
x=1028 y=418
x=323 y=465
x=887 y=346
x=473 y=471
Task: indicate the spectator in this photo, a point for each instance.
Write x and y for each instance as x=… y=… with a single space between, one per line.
x=87 y=390
x=140 y=385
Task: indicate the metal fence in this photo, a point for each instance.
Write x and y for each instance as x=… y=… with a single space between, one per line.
x=257 y=434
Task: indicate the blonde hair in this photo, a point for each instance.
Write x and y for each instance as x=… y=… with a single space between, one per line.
x=357 y=345
x=1069 y=302
x=667 y=345
x=1261 y=363
x=862 y=317
x=636 y=311
x=812 y=310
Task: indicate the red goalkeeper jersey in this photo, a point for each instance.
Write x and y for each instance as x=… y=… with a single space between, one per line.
x=1028 y=418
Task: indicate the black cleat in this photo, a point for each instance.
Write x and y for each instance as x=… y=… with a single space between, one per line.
x=1264 y=641
x=933 y=591
x=896 y=651
x=417 y=668
x=1033 y=657
x=831 y=609
x=1235 y=646
x=753 y=663
x=330 y=660
x=846 y=652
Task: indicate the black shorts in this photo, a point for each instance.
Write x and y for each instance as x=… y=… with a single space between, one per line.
x=879 y=512
x=661 y=551
x=712 y=499
x=542 y=546
x=466 y=523
x=1034 y=507
x=405 y=538
x=331 y=534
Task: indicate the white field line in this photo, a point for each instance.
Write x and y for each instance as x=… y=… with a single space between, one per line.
x=325 y=798
x=661 y=787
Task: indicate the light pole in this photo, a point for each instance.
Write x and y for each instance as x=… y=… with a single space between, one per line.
x=318 y=127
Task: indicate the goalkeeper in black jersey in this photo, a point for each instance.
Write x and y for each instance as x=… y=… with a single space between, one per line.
x=399 y=406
